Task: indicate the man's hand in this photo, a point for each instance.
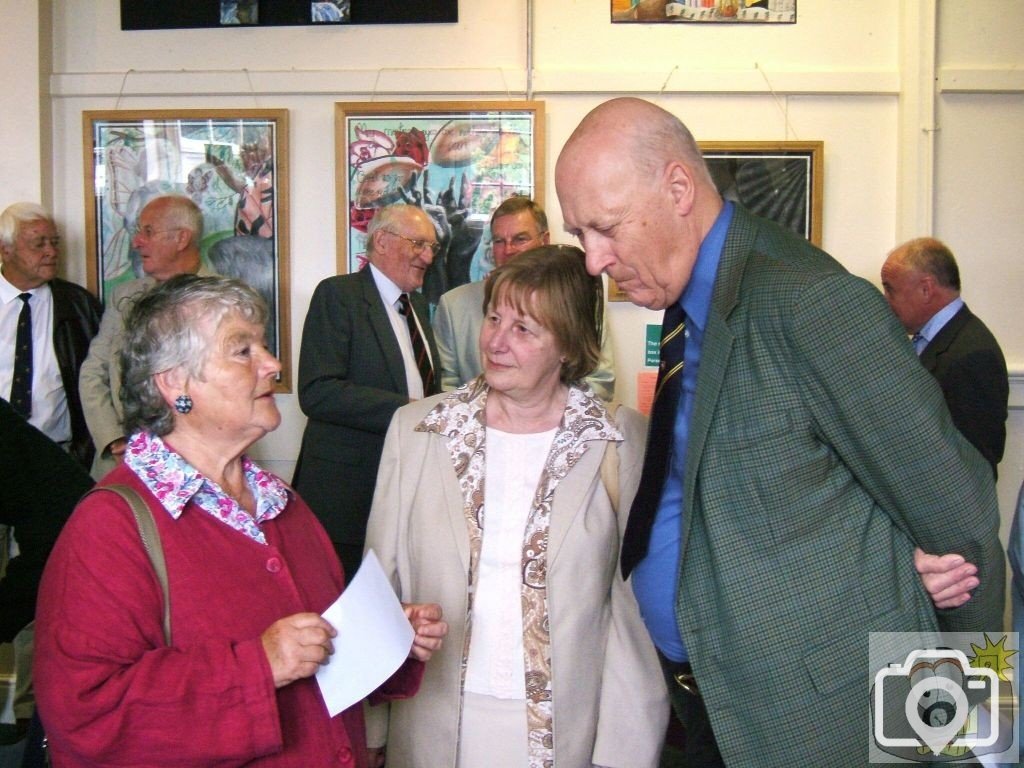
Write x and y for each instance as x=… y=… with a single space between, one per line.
x=949 y=579
x=430 y=630
x=296 y=646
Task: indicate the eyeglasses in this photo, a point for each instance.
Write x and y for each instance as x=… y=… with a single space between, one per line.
x=147 y=232
x=418 y=246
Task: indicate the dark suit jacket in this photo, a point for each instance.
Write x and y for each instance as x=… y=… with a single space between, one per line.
x=966 y=360
x=820 y=453
x=351 y=382
x=41 y=486
x=76 y=319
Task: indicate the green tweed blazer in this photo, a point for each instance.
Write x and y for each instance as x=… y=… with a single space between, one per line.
x=821 y=452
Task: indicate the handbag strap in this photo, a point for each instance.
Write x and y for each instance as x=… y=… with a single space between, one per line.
x=150 y=541
x=610 y=463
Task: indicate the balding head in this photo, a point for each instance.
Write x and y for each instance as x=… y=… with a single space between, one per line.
x=635 y=190
x=919 y=278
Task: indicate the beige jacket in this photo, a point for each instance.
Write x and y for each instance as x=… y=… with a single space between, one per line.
x=610 y=702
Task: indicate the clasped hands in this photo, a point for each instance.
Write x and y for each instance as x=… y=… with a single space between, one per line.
x=298 y=644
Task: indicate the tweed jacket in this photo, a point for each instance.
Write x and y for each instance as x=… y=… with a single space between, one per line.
x=609 y=697
x=351 y=382
x=99 y=381
x=457 y=324
x=966 y=360
x=76 y=319
x=820 y=453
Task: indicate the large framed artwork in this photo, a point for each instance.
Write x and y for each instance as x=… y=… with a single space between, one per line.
x=705 y=11
x=778 y=180
x=456 y=160
x=232 y=163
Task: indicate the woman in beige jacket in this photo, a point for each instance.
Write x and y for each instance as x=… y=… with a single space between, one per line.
x=547 y=661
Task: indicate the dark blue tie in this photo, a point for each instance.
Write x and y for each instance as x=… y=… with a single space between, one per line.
x=21 y=385
x=659 y=439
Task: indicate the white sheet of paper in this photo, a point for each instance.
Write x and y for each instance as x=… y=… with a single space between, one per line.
x=374 y=638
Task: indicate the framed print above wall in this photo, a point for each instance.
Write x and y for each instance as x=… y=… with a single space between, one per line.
x=705 y=11
x=456 y=160
x=233 y=164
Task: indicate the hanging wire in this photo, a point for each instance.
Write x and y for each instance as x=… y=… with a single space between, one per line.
x=120 y=92
x=783 y=106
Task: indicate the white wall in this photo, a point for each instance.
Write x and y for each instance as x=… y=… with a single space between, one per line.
x=859 y=79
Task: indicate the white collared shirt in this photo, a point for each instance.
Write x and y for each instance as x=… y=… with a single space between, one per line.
x=49 y=400
x=390 y=292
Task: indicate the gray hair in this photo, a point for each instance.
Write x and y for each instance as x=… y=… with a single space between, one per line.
x=180 y=212
x=933 y=257
x=17 y=214
x=385 y=218
x=164 y=331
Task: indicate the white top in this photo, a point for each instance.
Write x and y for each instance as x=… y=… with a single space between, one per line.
x=514 y=464
x=389 y=293
x=49 y=401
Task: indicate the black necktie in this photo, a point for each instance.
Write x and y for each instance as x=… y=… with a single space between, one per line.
x=419 y=348
x=21 y=385
x=659 y=439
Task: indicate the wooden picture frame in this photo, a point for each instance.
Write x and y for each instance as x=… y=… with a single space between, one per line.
x=778 y=180
x=456 y=160
x=233 y=163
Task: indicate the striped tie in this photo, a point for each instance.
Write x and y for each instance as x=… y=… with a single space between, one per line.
x=21 y=385
x=659 y=438
x=419 y=348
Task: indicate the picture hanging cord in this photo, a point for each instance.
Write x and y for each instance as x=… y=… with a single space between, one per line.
x=381 y=71
x=248 y=77
x=784 y=109
x=117 y=103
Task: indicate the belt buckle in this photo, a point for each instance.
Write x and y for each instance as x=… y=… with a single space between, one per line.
x=687 y=682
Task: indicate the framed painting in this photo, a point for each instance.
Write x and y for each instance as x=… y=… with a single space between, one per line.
x=778 y=180
x=232 y=163
x=705 y=11
x=456 y=160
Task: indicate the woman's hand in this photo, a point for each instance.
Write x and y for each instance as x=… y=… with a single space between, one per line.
x=296 y=646
x=430 y=630
x=949 y=579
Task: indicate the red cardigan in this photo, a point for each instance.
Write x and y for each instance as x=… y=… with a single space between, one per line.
x=110 y=691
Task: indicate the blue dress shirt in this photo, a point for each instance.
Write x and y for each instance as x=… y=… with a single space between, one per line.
x=655 y=577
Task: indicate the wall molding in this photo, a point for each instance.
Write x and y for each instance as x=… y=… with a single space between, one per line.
x=496 y=83
x=952 y=80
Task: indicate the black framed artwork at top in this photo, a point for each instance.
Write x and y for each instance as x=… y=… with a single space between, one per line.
x=160 y=14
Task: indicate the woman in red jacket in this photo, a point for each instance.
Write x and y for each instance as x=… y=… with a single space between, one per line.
x=250 y=570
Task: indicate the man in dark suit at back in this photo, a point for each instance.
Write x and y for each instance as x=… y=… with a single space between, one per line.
x=922 y=284
x=363 y=357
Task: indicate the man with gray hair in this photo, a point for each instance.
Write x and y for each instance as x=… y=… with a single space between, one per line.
x=517 y=225
x=167 y=239
x=46 y=325
x=922 y=285
x=367 y=349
